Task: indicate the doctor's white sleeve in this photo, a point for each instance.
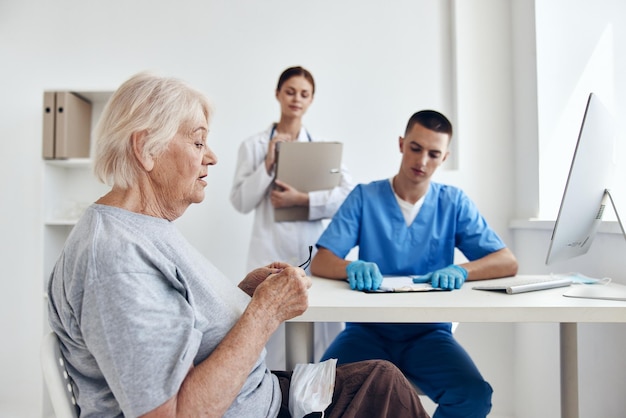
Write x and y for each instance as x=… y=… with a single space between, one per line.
x=251 y=180
x=324 y=203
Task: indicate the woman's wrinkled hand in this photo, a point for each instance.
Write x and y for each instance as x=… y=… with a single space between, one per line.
x=256 y=276
x=282 y=295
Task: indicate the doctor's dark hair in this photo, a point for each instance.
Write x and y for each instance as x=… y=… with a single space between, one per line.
x=294 y=72
x=432 y=120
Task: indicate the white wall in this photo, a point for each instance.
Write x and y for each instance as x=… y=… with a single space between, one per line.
x=579 y=51
x=375 y=63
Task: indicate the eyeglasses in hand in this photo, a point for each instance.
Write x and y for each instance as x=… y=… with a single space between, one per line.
x=308 y=260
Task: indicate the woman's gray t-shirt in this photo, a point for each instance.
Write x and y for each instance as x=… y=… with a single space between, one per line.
x=135 y=305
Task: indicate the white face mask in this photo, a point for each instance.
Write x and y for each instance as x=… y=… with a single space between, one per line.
x=311 y=388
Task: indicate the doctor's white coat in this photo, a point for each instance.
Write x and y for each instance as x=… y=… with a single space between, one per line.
x=282 y=241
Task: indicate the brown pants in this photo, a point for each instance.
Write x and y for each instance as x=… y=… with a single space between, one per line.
x=372 y=388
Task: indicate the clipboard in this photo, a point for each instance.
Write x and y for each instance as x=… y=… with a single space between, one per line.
x=404 y=284
x=307 y=166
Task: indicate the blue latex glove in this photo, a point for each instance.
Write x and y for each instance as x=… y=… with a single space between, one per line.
x=363 y=275
x=451 y=277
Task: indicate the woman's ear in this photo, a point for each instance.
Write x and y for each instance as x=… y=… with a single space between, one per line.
x=138 y=141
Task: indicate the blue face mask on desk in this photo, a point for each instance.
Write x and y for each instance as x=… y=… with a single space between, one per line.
x=578 y=278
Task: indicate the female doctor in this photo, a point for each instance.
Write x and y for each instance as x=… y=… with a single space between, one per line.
x=254 y=188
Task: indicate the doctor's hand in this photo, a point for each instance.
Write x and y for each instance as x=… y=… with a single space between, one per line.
x=272 y=148
x=284 y=196
x=451 y=277
x=363 y=275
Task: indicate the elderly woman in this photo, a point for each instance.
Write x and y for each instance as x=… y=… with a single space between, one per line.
x=147 y=325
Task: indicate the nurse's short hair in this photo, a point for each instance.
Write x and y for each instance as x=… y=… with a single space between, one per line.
x=158 y=106
x=432 y=120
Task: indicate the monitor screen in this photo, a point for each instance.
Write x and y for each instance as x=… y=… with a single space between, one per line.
x=591 y=174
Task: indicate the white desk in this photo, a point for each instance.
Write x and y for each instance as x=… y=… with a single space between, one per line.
x=333 y=301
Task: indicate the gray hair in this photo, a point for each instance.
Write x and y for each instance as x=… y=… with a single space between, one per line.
x=158 y=106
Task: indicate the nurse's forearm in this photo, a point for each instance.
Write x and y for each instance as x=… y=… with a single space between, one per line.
x=501 y=263
x=328 y=265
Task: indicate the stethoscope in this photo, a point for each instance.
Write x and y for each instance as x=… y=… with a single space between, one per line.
x=274 y=131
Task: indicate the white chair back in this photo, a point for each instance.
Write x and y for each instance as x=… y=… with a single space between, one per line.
x=58 y=382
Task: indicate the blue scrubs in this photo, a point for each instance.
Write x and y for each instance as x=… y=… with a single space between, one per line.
x=428 y=354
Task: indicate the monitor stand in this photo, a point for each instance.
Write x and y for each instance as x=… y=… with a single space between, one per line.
x=607 y=193
x=612 y=291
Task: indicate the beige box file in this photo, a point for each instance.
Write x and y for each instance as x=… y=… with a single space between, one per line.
x=66 y=125
x=307 y=166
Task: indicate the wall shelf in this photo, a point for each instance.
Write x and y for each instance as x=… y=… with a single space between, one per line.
x=69 y=186
x=70 y=163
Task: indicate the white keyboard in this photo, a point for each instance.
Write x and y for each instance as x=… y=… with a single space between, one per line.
x=515 y=285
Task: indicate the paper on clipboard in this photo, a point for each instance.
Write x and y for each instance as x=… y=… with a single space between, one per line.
x=403 y=284
x=307 y=166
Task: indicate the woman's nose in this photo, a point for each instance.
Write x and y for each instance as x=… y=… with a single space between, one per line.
x=210 y=158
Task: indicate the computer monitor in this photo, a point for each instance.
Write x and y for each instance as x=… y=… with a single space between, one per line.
x=587 y=191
